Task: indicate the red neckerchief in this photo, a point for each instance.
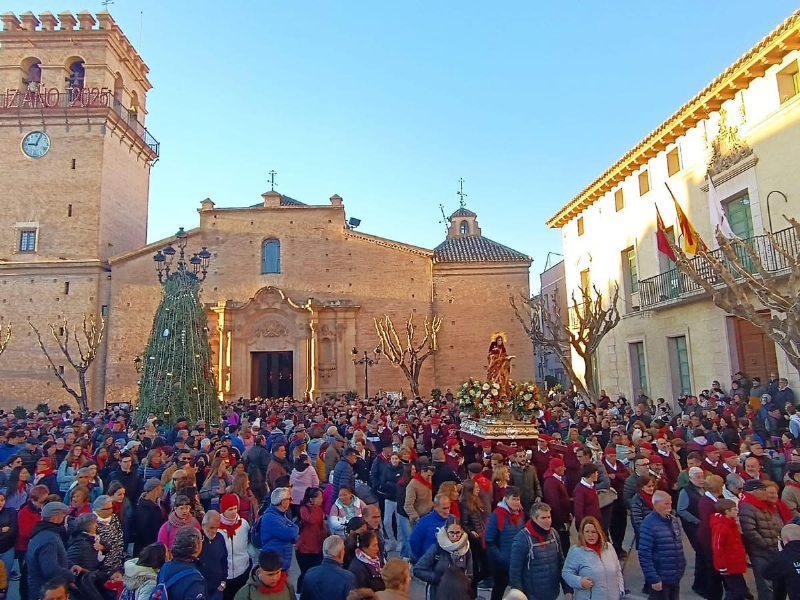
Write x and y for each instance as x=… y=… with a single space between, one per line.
x=793 y=484
x=263 y=589
x=648 y=498
x=513 y=518
x=596 y=547
x=749 y=498
x=47 y=471
x=117 y=507
x=532 y=530
x=784 y=512
x=423 y=481
x=230 y=529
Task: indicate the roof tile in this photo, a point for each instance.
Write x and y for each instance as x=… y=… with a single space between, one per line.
x=475 y=248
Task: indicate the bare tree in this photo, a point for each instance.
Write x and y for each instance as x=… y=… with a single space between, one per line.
x=581 y=330
x=757 y=280
x=5 y=338
x=86 y=341
x=407 y=355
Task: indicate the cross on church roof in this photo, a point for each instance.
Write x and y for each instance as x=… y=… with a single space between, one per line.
x=460 y=193
x=272 y=180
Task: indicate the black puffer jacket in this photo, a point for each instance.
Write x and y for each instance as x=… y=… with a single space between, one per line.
x=8 y=518
x=81 y=551
x=390 y=475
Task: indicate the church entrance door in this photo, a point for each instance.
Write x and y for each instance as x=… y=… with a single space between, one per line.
x=272 y=374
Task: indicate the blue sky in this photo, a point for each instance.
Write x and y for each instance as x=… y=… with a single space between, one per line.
x=388 y=103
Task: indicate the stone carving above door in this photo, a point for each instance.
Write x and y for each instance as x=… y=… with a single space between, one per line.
x=271 y=328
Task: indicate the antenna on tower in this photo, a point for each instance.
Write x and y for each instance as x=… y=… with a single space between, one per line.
x=444 y=220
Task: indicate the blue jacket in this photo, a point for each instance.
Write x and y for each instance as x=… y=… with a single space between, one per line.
x=661 y=549
x=535 y=564
x=190 y=587
x=328 y=581
x=47 y=556
x=343 y=476
x=279 y=533
x=8 y=450
x=424 y=534
x=500 y=533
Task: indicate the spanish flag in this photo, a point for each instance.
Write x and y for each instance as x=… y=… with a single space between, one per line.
x=691 y=241
x=662 y=239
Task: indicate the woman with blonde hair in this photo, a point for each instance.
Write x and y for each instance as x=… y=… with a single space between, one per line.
x=248 y=505
x=216 y=483
x=591 y=568
x=501 y=479
x=397 y=577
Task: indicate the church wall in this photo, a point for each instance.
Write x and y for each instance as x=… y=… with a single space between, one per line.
x=473 y=302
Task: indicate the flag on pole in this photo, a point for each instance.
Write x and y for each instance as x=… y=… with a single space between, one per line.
x=691 y=241
x=719 y=219
x=662 y=239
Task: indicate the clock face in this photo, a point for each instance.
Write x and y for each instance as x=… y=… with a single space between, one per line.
x=36 y=144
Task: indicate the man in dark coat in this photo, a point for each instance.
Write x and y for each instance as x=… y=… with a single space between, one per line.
x=343 y=474
x=443 y=471
x=661 y=550
x=525 y=478
x=148 y=515
x=782 y=569
x=127 y=476
x=214 y=556
x=46 y=555
x=329 y=581
x=504 y=524
x=256 y=462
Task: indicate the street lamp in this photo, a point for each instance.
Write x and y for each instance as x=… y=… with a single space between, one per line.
x=196 y=265
x=368 y=361
x=137 y=363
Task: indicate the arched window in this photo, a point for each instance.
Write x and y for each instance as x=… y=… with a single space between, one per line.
x=77 y=75
x=33 y=73
x=271 y=256
x=464 y=228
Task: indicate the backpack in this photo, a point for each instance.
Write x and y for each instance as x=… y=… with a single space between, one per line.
x=160 y=591
x=254 y=537
x=127 y=594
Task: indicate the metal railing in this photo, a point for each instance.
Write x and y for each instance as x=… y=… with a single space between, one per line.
x=44 y=101
x=673 y=284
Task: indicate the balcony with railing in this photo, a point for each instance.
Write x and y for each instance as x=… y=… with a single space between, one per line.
x=674 y=286
x=77 y=102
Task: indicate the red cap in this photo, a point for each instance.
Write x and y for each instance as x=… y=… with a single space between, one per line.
x=556 y=463
x=228 y=501
x=728 y=454
x=710 y=448
x=436 y=421
x=486 y=443
x=610 y=450
x=545 y=437
x=451 y=442
x=656 y=460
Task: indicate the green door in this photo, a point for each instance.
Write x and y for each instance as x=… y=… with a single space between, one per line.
x=741 y=222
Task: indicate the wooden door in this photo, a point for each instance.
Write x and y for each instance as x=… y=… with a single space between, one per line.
x=756 y=351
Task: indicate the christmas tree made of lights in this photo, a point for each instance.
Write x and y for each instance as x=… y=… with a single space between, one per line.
x=177 y=378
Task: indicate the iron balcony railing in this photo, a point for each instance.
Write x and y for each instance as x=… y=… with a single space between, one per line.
x=674 y=285
x=75 y=99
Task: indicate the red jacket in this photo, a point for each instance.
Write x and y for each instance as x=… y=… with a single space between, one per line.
x=26 y=519
x=313 y=530
x=586 y=504
x=554 y=492
x=727 y=546
x=706 y=508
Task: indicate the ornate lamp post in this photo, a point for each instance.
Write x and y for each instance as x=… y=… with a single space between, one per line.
x=137 y=363
x=197 y=265
x=368 y=361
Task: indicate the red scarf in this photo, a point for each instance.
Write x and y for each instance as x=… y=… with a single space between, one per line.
x=230 y=529
x=513 y=518
x=117 y=508
x=784 y=512
x=423 y=481
x=596 y=547
x=532 y=530
x=648 y=498
x=262 y=589
x=793 y=484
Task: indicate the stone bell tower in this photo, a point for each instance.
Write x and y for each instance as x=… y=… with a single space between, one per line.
x=75 y=180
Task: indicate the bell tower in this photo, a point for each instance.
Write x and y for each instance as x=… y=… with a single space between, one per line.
x=75 y=178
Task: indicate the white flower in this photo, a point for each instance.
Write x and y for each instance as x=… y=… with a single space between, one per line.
x=472 y=392
x=527 y=397
x=485 y=386
x=495 y=392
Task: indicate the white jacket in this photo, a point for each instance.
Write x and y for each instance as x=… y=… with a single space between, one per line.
x=140 y=579
x=337 y=519
x=238 y=556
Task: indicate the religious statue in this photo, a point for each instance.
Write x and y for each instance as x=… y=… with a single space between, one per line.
x=499 y=370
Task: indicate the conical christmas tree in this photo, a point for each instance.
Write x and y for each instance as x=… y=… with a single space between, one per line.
x=177 y=379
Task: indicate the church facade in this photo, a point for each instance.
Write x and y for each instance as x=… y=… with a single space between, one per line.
x=292 y=290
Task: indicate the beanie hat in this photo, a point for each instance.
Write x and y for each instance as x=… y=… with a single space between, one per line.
x=228 y=501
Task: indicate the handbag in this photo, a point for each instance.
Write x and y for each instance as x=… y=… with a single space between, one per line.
x=606 y=497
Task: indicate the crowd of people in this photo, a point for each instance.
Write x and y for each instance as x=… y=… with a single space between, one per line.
x=367 y=496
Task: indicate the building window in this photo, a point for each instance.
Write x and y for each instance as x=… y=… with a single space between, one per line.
x=586 y=283
x=629 y=270
x=679 y=354
x=27 y=240
x=464 y=228
x=77 y=76
x=788 y=82
x=104 y=310
x=271 y=256
x=619 y=200
x=638 y=367
x=644 y=182
x=673 y=162
x=580 y=226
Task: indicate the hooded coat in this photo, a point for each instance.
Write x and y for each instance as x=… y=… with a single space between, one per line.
x=440 y=557
x=140 y=580
x=255 y=590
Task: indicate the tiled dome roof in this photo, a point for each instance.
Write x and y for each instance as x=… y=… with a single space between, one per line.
x=463 y=212
x=475 y=248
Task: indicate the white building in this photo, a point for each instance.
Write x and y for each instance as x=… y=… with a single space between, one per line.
x=743 y=129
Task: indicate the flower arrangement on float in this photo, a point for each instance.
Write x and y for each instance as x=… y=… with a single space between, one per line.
x=487 y=399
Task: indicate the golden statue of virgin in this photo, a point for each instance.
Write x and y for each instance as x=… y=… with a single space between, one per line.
x=499 y=370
